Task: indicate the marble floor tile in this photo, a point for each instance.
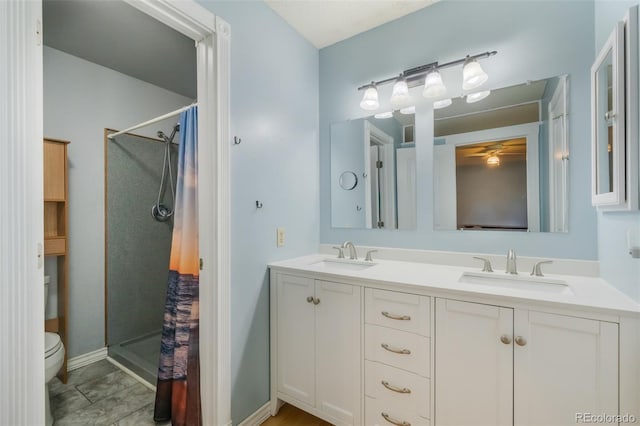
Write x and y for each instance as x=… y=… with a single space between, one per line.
x=111 y=408
x=101 y=387
x=67 y=402
x=81 y=375
x=142 y=417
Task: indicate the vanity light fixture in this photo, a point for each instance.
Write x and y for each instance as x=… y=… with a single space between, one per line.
x=370 y=99
x=400 y=96
x=493 y=160
x=442 y=103
x=429 y=75
x=382 y=115
x=477 y=96
x=408 y=110
x=433 y=85
x=472 y=74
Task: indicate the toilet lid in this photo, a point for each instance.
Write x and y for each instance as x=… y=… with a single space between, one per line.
x=52 y=343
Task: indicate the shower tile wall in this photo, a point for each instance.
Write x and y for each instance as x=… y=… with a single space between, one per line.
x=138 y=247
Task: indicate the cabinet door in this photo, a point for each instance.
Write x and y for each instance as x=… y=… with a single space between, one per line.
x=338 y=355
x=564 y=367
x=296 y=349
x=54 y=171
x=473 y=367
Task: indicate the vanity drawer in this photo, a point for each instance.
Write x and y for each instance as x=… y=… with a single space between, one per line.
x=402 y=311
x=404 y=391
x=375 y=411
x=397 y=348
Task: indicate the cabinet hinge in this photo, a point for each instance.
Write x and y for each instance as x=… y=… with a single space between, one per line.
x=380 y=224
x=38 y=32
x=378 y=164
x=201 y=264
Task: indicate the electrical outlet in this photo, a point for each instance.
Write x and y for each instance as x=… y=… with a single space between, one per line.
x=280 y=237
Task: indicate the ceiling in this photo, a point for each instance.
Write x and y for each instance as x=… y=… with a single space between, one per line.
x=325 y=22
x=118 y=36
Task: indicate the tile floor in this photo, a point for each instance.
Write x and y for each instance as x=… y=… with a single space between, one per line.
x=101 y=394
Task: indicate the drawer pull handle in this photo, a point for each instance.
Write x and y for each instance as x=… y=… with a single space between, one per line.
x=396 y=317
x=395 y=388
x=395 y=350
x=394 y=421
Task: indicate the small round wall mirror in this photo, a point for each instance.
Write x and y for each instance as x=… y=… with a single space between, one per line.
x=348 y=180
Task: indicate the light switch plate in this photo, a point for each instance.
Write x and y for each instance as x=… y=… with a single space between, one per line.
x=279 y=237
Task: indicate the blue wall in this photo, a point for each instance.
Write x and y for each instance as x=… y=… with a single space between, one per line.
x=616 y=266
x=534 y=40
x=274 y=109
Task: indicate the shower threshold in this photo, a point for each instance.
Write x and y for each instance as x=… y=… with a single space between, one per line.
x=140 y=354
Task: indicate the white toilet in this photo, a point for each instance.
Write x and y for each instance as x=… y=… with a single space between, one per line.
x=53 y=357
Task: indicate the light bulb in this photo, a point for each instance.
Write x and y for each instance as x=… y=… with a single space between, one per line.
x=442 y=103
x=387 y=114
x=477 y=96
x=493 y=160
x=400 y=95
x=433 y=86
x=370 y=99
x=473 y=75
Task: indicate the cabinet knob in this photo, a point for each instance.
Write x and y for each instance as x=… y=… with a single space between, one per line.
x=505 y=339
x=316 y=300
x=309 y=299
x=520 y=341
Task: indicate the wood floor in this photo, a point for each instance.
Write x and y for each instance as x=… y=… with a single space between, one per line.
x=292 y=416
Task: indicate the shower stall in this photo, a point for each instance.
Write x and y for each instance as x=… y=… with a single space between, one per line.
x=140 y=179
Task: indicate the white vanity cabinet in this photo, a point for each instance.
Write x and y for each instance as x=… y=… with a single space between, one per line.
x=316 y=338
x=498 y=365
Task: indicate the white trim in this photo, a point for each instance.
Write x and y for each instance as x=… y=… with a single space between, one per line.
x=557 y=109
x=387 y=185
x=530 y=132
x=212 y=36
x=21 y=228
x=258 y=417
x=131 y=373
x=585 y=268
x=86 y=359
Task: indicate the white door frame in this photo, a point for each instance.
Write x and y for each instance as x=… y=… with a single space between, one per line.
x=530 y=132
x=212 y=37
x=21 y=168
x=558 y=151
x=387 y=184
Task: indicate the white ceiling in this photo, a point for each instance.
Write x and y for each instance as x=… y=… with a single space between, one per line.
x=118 y=36
x=325 y=22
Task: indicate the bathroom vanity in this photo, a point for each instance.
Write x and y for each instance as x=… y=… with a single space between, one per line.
x=405 y=343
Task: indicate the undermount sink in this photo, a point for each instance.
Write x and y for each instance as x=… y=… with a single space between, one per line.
x=518 y=282
x=343 y=265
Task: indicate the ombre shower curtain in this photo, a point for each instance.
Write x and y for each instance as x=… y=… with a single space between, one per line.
x=178 y=390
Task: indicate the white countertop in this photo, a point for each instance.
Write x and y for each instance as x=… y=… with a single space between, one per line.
x=590 y=293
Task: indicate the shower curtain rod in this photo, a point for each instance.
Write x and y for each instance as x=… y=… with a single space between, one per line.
x=152 y=121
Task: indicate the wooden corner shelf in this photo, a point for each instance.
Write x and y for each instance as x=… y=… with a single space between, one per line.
x=56 y=223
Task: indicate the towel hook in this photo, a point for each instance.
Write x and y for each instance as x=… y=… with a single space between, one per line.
x=258 y=204
x=237 y=140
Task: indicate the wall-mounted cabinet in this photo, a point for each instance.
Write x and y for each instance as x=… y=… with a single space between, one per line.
x=614 y=119
x=56 y=225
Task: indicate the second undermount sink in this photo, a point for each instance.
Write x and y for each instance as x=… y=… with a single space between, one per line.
x=342 y=265
x=517 y=282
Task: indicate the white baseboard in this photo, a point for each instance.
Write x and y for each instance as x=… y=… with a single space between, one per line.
x=259 y=417
x=131 y=373
x=86 y=359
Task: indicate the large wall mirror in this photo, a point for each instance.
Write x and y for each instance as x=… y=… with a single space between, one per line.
x=501 y=163
x=373 y=172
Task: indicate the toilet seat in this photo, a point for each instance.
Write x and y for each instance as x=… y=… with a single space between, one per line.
x=52 y=344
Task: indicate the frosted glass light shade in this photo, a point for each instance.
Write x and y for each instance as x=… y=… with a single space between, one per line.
x=473 y=75
x=386 y=114
x=433 y=86
x=442 y=103
x=477 y=96
x=400 y=95
x=408 y=110
x=370 y=99
x=493 y=160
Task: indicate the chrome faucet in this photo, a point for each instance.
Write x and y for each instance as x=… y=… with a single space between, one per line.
x=353 y=255
x=511 y=263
